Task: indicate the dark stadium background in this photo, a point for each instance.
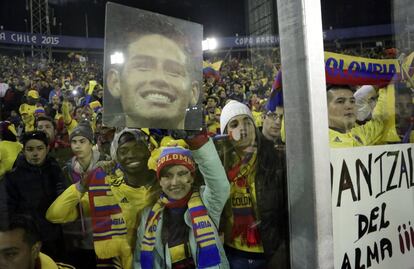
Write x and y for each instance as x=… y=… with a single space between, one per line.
x=219 y=17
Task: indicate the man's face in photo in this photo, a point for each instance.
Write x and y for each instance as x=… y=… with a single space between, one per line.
x=154 y=85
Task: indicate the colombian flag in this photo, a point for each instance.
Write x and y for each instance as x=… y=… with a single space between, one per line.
x=212 y=69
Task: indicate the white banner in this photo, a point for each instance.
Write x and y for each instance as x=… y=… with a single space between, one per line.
x=373 y=207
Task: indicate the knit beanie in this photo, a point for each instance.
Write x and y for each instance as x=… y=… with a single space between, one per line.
x=231 y=109
x=37 y=135
x=33 y=93
x=175 y=156
x=83 y=129
x=138 y=135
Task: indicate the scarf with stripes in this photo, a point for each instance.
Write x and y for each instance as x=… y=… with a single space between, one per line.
x=202 y=226
x=244 y=220
x=109 y=227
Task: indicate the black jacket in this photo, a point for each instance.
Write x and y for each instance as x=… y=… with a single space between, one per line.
x=29 y=189
x=272 y=203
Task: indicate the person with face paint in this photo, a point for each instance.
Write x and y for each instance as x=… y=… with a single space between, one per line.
x=132 y=187
x=255 y=220
x=179 y=231
x=31 y=187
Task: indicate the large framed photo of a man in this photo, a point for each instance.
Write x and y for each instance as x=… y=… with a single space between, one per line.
x=152 y=70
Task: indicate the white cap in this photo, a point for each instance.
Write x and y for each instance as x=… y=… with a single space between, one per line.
x=232 y=109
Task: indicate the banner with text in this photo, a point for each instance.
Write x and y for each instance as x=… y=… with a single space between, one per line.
x=353 y=70
x=373 y=207
x=19 y=38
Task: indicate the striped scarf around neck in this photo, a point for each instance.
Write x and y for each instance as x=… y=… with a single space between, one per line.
x=244 y=220
x=203 y=228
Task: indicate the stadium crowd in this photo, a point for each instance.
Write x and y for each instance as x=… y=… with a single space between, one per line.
x=94 y=196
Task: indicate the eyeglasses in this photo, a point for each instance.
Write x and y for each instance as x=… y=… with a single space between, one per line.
x=274 y=116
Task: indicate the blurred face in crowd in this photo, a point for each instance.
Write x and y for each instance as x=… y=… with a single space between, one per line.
x=403 y=110
x=35 y=152
x=81 y=147
x=242 y=130
x=341 y=109
x=15 y=252
x=154 y=84
x=237 y=88
x=44 y=84
x=222 y=94
x=105 y=135
x=83 y=113
x=47 y=127
x=55 y=100
x=272 y=123
x=211 y=103
x=99 y=93
x=176 y=181
x=133 y=156
x=15 y=81
x=210 y=80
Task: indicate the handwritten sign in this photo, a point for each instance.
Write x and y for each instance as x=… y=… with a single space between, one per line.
x=373 y=207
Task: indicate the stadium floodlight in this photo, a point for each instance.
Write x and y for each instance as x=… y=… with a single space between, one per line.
x=209 y=44
x=117 y=58
x=204 y=45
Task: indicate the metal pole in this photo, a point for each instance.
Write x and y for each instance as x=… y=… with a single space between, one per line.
x=86 y=25
x=47 y=30
x=31 y=23
x=307 y=148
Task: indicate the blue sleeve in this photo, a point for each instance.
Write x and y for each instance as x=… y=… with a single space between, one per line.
x=217 y=189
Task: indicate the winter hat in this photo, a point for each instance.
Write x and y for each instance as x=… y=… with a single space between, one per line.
x=33 y=93
x=83 y=129
x=138 y=135
x=37 y=135
x=232 y=109
x=175 y=156
x=39 y=110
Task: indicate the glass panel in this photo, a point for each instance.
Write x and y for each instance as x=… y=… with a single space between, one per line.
x=369 y=75
x=88 y=186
